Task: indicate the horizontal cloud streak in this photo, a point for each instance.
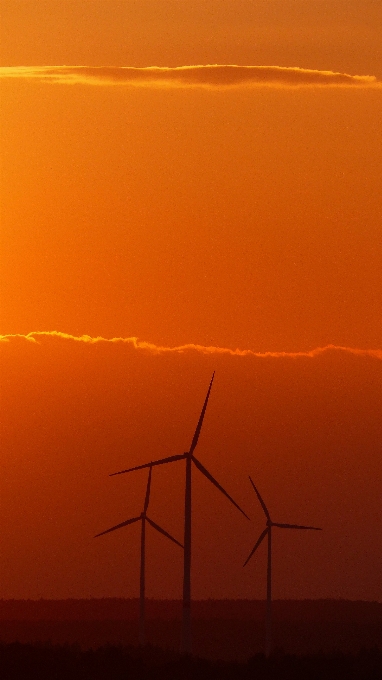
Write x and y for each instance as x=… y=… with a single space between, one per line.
x=150 y=347
x=210 y=76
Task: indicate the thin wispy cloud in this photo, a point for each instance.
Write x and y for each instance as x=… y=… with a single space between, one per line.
x=37 y=337
x=210 y=76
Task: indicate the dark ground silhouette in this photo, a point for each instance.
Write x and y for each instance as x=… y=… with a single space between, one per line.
x=222 y=629
x=49 y=662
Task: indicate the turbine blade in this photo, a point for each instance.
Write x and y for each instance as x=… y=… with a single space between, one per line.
x=261 y=537
x=147 y=499
x=261 y=501
x=162 y=531
x=119 y=526
x=294 y=526
x=201 y=418
x=218 y=486
x=170 y=459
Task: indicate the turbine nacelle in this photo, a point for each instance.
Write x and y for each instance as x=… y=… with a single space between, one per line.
x=267 y=532
x=189 y=455
x=143 y=516
x=190 y=459
x=269 y=524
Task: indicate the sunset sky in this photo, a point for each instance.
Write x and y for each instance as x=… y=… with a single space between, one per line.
x=190 y=186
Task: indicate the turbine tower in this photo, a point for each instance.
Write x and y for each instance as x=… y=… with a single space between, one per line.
x=190 y=459
x=268 y=532
x=143 y=519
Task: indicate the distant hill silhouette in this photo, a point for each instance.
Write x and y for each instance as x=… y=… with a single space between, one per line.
x=222 y=629
x=115 y=609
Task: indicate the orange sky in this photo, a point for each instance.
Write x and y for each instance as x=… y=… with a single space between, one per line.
x=233 y=208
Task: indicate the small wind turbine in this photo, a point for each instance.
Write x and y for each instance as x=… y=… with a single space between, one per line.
x=268 y=531
x=143 y=519
x=189 y=457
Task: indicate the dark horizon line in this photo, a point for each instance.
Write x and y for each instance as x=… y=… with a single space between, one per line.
x=207 y=599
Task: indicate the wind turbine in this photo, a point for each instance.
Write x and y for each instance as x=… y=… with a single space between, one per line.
x=189 y=457
x=268 y=531
x=143 y=519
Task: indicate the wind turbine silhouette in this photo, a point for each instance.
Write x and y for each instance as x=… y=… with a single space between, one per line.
x=268 y=531
x=189 y=457
x=143 y=519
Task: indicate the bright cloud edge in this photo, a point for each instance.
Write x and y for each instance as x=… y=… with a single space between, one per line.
x=187 y=76
x=152 y=348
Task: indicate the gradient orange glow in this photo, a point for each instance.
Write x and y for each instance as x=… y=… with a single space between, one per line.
x=187 y=189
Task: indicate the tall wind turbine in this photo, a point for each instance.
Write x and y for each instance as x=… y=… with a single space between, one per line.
x=189 y=457
x=268 y=532
x=143 y=519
